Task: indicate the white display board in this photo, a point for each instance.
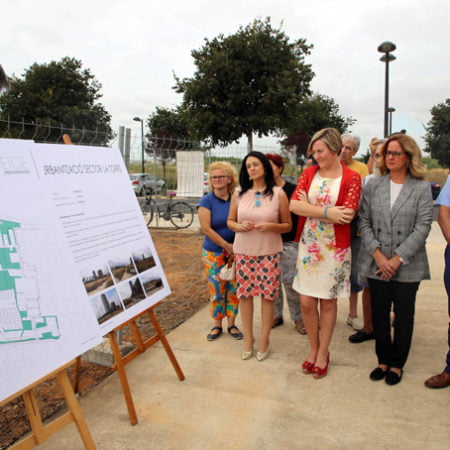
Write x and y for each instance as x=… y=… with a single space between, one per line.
x=190 y=169
x=76 y=257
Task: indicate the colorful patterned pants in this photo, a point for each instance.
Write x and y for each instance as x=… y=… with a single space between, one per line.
x=222 y=294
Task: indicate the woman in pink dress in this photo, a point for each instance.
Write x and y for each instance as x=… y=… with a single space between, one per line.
x=259 y=214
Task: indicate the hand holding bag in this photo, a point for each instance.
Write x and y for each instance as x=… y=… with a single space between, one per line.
x=228 y=271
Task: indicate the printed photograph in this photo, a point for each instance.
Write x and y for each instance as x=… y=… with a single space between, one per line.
x=151 y=281
x=143 y=259
x=96 y=279
x=122 y=268
x=131 y=292
x=106 y=305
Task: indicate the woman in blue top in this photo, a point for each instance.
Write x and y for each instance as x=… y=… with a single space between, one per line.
x=218 y=246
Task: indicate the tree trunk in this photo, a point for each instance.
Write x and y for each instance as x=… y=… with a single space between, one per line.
x=249 y=142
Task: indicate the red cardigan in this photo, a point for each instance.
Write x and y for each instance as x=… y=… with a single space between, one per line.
x=349 y=195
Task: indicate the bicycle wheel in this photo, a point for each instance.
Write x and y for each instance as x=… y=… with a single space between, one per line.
x=147 y=210
x=181 y=214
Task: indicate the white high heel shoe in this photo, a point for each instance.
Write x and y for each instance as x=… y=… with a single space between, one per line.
x=262 y=356
x=247 y=355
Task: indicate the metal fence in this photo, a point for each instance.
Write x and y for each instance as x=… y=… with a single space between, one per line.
x=158 y=158
x=47 y=133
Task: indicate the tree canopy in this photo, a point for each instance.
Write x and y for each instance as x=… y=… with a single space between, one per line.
x=4 y=83
x=437 y=136
x=250 y=82
x=57 y=94
x=314 y=113
x=168 y=133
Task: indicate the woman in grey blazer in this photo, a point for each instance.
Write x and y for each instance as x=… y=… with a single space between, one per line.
x=395 y=219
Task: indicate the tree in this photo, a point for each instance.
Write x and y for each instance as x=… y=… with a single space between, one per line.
x=60 y=93
x=4 y=83
x=315 y=112
x=437 y=136
x=295 y=146
x=168 y=133
x=245 y=83
x=431 y=163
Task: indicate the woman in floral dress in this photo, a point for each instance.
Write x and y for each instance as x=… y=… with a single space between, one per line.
x=326 y=199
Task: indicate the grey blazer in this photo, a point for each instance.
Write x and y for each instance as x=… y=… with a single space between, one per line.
x=402 y=230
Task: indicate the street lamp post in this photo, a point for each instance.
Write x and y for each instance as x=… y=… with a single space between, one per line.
x=138 y=119
x=390 y=111
x=386 y=48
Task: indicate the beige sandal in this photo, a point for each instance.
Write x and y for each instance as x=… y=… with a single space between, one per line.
x=300 y=327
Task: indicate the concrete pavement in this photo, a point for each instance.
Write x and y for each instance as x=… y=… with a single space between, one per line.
x=228 y=403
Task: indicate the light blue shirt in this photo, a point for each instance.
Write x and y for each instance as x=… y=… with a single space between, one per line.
x=444 y=196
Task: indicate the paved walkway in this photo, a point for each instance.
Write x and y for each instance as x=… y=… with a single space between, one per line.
x=227 y=403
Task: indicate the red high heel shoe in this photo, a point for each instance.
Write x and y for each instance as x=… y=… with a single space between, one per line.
x=307 y=367
x=319 y=372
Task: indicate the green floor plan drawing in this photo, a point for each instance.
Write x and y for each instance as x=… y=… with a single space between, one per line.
x=21 y=317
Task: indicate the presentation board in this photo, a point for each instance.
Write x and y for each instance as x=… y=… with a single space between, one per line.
x=76 y=257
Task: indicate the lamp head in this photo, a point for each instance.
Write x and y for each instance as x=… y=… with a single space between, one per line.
x=386 y=47
x=388 y=57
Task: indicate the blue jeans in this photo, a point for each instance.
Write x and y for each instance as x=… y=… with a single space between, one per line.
x=447 y=288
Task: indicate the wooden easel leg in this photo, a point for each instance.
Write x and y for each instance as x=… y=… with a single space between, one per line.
x=123 y=377
x=166 y=345
x=34 y=417
x=75 y=409
x=76 y=375
x=137 y=336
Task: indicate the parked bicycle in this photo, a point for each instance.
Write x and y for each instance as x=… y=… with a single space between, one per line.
x=180 y=213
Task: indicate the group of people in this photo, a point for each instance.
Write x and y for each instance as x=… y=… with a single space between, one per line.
x=338 y=232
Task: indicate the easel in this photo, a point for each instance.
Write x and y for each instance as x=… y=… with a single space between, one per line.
x=40 y=432
x=141 y=346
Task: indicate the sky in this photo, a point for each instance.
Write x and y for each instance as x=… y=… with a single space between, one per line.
x=134 y=48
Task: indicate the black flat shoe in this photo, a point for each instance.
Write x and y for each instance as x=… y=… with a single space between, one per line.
x=214 y=336
x=360 y=336
x=234 y=332
x=378 y=374
x=392 y=378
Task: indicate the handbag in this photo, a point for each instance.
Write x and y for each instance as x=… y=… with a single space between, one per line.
x=228 y=271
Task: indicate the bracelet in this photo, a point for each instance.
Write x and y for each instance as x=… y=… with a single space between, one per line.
x=325 y=212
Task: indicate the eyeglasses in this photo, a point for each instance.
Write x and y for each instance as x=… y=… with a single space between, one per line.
x=394 y=154
x=377 y=156
x=258 y=199
x=219 y=177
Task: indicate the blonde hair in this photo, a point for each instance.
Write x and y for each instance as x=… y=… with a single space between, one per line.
x=415 y=167
x=331 y=137
x=378 y=168
x=229 y=171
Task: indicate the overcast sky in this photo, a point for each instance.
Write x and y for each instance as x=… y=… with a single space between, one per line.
x=134 y=47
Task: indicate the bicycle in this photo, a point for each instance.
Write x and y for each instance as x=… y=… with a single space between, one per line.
x=180 y=213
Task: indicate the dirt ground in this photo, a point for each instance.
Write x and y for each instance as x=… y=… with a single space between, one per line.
x=180 y=254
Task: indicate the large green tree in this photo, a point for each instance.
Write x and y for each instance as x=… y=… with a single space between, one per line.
x=437 y=136
x=314 y=113
x=60 y=94
x=168 y=133
x=4 y=83
x=250 y=82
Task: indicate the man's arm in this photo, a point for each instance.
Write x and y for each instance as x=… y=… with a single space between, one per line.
x=444 y=221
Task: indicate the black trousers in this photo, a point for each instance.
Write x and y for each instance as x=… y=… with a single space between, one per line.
x=393 y=351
